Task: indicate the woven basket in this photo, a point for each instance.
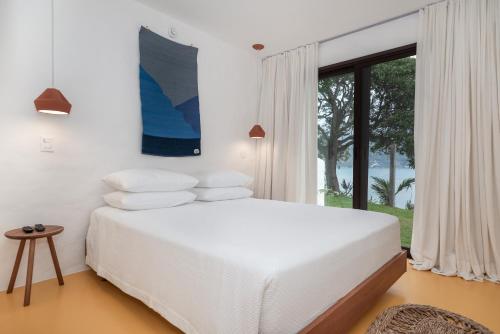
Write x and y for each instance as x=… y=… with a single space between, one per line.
x=423 y=319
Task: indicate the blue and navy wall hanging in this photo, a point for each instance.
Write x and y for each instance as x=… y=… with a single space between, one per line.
x=169 y=97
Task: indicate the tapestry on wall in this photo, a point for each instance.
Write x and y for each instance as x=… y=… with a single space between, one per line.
x=169 y=97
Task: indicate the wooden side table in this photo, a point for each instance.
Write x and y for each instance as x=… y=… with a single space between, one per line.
x=19 y=234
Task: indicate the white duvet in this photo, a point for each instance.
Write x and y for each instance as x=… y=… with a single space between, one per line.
x=241 y=266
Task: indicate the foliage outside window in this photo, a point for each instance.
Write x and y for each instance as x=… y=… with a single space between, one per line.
x=391 y=118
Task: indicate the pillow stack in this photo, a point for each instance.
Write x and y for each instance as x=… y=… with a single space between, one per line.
x=222 y=186
x=142 y=189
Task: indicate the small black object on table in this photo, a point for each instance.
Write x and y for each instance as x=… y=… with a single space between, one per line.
x=39 y=228
x=28 y=229
x=20 y=234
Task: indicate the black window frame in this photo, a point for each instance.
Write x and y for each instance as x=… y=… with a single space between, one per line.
x=361 y=68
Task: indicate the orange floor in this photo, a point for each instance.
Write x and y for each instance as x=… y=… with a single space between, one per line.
x=88 y=305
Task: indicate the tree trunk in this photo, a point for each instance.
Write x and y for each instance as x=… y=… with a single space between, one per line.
x=332 y=182
x=392 y=174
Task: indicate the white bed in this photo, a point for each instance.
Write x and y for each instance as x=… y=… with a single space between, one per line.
x=240 y=266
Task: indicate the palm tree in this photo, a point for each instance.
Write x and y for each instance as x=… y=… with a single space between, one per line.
x=383 y=189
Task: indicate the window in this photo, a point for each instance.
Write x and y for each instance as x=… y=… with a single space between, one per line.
x=336 y=138
x=365 y=135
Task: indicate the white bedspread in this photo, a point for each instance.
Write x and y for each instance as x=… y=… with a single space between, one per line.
x=241 y=266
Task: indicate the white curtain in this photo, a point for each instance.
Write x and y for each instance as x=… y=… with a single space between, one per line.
x=457 y=140
x=286 y=157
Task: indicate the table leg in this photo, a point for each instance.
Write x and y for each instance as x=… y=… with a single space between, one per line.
x=55 y=260
x=16 y=266
x=29 y=275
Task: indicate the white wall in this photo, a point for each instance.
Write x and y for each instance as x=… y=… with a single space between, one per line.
x=97 y=70
x=383 y=37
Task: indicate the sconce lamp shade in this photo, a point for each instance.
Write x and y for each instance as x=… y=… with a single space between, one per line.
x=52 y=101
x=257 y=132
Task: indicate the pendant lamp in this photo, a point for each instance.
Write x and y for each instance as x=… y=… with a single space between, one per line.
x=257 y=132
x=52 y=100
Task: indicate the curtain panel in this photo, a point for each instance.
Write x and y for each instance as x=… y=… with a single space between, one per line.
x=286 y=157
x=457 y=140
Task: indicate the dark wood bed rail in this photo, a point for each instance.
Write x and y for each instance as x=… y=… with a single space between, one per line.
x=340 y=317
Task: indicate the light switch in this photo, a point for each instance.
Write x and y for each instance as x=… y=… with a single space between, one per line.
x=46 y=144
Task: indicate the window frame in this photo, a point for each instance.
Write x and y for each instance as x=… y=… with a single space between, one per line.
x=361 y=68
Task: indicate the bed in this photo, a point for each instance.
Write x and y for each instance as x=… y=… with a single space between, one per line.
x=248 y=265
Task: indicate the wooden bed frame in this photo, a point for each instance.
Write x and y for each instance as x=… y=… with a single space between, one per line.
x=340 y=317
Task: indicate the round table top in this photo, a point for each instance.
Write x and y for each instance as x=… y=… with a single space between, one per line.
x=19 y=234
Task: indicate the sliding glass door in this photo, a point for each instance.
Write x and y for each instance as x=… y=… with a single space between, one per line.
x=391 y=173
x=365 y=135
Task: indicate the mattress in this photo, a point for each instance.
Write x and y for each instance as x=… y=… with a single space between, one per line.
x=241 y=266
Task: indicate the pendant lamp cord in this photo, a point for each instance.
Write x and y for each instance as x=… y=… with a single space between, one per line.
x=52 y=44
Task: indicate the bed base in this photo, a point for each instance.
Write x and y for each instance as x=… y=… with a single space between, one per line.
x=340 y=317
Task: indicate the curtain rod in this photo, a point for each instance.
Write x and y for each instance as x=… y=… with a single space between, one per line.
x=364 y=28
x=368 y=26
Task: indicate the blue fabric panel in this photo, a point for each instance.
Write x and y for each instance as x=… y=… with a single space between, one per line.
x=190 y=110
x=160 y=118
x=169 y=97
x=170 y=147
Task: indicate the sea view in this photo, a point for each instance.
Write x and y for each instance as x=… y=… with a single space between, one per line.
x=346 y=173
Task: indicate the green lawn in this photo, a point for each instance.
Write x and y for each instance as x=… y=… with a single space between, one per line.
x=405 y=216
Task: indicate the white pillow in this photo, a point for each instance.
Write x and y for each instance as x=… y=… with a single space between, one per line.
x=145 y=180
x=221 y=194
x=222 y=179
x=145 y=201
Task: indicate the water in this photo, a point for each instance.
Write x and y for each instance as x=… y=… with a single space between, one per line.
x=346 y=173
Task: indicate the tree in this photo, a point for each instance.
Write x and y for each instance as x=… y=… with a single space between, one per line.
x=335 y=123
x=392 y=114
x=391 y=118
x=383 y=188
x=346 y=188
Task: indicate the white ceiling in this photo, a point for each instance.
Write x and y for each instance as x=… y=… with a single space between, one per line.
x=282 y=24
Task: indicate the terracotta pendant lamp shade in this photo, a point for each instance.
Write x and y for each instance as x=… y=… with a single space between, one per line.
x=258 y=46
x=52 y=101
x=257 y=132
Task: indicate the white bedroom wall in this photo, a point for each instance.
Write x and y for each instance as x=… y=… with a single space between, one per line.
x=97 y=69
x=389 y=35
